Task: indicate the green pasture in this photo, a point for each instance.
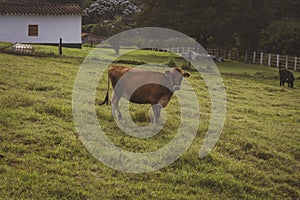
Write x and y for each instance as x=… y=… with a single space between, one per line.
x=42 y=157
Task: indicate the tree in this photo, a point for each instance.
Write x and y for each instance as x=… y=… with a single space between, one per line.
x=282 y=36
x=201 y=19
x=102 y=10
x=114 y=12
x=226 y=23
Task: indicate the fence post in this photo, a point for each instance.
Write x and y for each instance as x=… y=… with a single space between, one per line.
x=269 y=60
x=286 y=62
x=190 y=59
x=295 y=64
x=60 y=46
x=277 y=64
x=254 y=57
x=173 y=46
x=261 y=58
x=246 y=57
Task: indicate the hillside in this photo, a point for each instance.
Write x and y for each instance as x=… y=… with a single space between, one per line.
x=42 y=157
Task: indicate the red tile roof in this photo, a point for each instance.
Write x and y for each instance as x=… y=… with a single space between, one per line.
x=40 y=9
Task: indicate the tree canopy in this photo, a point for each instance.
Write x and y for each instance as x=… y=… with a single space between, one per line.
x=101 y=10
x=271 y=25
x=282 y=36
x=227 y=23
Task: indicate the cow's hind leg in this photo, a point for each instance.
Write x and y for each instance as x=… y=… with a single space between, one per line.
x=292 y=84
x=115 y=106
x=156 y=110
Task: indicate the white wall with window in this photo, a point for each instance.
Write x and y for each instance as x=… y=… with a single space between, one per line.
x=40 y=29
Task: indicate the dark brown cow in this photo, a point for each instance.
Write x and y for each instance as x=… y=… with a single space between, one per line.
x=286 y=76
x=143 y=87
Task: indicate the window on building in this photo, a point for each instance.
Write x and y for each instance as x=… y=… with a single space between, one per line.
x=33 y=30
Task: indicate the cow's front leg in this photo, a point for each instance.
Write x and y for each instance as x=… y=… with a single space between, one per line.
x=156 y=110
x=115 y=106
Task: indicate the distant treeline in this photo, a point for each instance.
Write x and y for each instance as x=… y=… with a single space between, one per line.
x=267 y=25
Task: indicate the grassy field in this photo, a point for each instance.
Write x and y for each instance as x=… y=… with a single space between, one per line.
x=41 y=156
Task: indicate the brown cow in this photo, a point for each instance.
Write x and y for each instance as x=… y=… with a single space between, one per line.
x=143 y=87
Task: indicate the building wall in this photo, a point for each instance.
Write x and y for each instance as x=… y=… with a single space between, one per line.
x=51 y=29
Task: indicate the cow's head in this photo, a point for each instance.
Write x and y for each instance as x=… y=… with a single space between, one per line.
x=176 y=77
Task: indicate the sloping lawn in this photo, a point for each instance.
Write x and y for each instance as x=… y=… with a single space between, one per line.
x=42 y=157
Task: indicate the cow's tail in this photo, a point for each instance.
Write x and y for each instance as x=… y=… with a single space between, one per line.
x=106 y=100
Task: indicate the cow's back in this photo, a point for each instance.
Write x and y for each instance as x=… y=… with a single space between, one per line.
x=138 y=86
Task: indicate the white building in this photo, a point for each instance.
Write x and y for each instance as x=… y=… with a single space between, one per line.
x=41 y=23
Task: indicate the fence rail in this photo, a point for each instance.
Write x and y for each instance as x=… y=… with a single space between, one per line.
x=273 y=60
x=260 y=58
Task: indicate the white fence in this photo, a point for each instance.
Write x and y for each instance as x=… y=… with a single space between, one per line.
x=261 y=58
x=273 y=60
x=175 y=49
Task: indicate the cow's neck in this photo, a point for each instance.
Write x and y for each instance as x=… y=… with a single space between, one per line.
x=171 y=85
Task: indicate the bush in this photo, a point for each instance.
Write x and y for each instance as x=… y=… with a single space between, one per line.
x=185 y=66
x=171 y=62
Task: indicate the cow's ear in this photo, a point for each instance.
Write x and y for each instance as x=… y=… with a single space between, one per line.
x=168 y=73
x=186 y=74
